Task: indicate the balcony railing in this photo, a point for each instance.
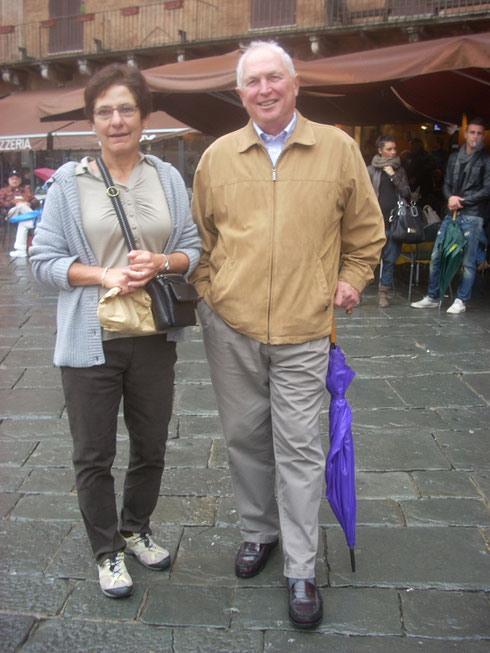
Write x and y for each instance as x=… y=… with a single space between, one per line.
x=174 y=22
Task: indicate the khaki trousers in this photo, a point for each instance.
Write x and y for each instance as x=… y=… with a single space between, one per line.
x=269 y=399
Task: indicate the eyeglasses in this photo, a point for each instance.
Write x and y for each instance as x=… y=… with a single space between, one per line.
x=124 y=110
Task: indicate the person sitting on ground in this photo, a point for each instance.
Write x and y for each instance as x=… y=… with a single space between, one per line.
x=467 y=190
x=389 y=180
x=15 y=199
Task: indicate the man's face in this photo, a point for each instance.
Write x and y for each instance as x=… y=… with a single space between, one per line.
x=474 y=137
x=268 y=91
x=14 y=181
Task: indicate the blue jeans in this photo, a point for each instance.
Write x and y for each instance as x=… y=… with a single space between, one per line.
x=471 y=226
x=389 y=254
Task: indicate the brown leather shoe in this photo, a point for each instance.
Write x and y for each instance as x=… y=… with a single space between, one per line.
x=251 y=558
x=305 y=603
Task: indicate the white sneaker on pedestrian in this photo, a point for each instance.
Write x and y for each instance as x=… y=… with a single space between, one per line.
x=115 y=581
x=456 y=307
x=18 y=253
x=426 y=302
x=146 y=552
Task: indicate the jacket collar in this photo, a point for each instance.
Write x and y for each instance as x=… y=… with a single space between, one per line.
x=302 y=135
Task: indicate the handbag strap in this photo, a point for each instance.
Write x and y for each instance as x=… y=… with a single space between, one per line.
x=113 y=192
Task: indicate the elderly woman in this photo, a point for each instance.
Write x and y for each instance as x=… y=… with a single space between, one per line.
x=389 y=180
x=79 y=250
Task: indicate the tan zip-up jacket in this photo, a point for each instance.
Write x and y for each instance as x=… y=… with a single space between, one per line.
x=272 y=237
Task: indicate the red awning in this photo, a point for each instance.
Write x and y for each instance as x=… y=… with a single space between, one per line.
x=22 y=129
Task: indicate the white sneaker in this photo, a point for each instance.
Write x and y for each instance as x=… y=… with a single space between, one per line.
x=17 y=253
x=456 y=307
x=149 y=554
x=115 y=581
x=426 y=302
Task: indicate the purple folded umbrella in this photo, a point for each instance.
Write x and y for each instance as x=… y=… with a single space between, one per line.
x=339 y=470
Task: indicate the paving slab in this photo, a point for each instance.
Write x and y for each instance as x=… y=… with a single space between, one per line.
x=206 y=557
x=35 y=558
x=385 y=485
x=418 y=392
x=197 y=371
x=287 y=642
x=49 y=480
x=168 y=605
x=398 y=450
x=79 y=636
x=451 y=615
x=214 y=640
x=39 y=378
x=345 y=611
x=202 y=482
x=482 y=483
x=12 y=478
x=86 y=601
x=8 y=502
x=195 y=400
x=364 y=393
x=401 y=366
x=466 y=449
x=48 y=507
x=199 y=425
x=479 y=383
x=412 y=557
x=445 y=484
x=9 y=376
x=447 y=512
x=459 y=418
x=369 y=513
x=33 y=429
x=15 y=454
x=35 y=595
x=14 y=630
x=23 y=403
x=186 y=510
x=188 y=452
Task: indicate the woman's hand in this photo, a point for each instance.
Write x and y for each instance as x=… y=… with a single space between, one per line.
x=144 y=266
x=389 y=170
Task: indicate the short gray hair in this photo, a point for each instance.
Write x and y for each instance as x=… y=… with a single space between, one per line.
x=271 y=45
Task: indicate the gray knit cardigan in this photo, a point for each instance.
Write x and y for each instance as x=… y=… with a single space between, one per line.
x=60 y=241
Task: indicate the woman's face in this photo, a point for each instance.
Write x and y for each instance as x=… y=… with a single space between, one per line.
x=388 y=149
x=118 y=134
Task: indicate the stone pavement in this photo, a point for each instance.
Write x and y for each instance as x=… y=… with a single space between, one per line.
x=421 y=430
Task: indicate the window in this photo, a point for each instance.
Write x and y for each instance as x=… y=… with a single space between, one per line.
x=272 y=13
x=66 y=35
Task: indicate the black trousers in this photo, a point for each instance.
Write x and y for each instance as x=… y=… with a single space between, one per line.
x=139 y=370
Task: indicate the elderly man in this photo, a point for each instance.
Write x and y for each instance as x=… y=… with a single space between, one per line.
x=15 y=199
x=467 y=191
x=276 y=202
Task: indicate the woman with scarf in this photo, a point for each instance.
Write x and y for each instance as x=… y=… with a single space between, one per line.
x=389 y=180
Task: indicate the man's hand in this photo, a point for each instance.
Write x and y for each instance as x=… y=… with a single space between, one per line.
x=346 y=296
x=455 y=202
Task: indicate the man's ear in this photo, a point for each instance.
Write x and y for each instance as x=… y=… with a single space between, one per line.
x=239 y=91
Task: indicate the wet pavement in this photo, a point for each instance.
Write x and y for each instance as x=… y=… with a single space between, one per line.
x=420 y=402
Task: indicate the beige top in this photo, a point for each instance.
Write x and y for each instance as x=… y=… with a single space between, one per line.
x=146 y=210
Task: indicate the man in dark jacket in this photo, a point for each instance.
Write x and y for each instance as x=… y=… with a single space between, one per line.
x=466 y=189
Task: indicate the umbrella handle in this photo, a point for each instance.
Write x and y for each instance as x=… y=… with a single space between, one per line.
x=454 y=215
x=332 y=334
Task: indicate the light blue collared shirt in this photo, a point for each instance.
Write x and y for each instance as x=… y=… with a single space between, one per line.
x=274 y=144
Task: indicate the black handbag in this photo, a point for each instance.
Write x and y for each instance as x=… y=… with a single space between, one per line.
x=406 y=224
x=173 y=298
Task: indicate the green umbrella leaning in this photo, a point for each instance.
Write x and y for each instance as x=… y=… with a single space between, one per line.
x=451 y=252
